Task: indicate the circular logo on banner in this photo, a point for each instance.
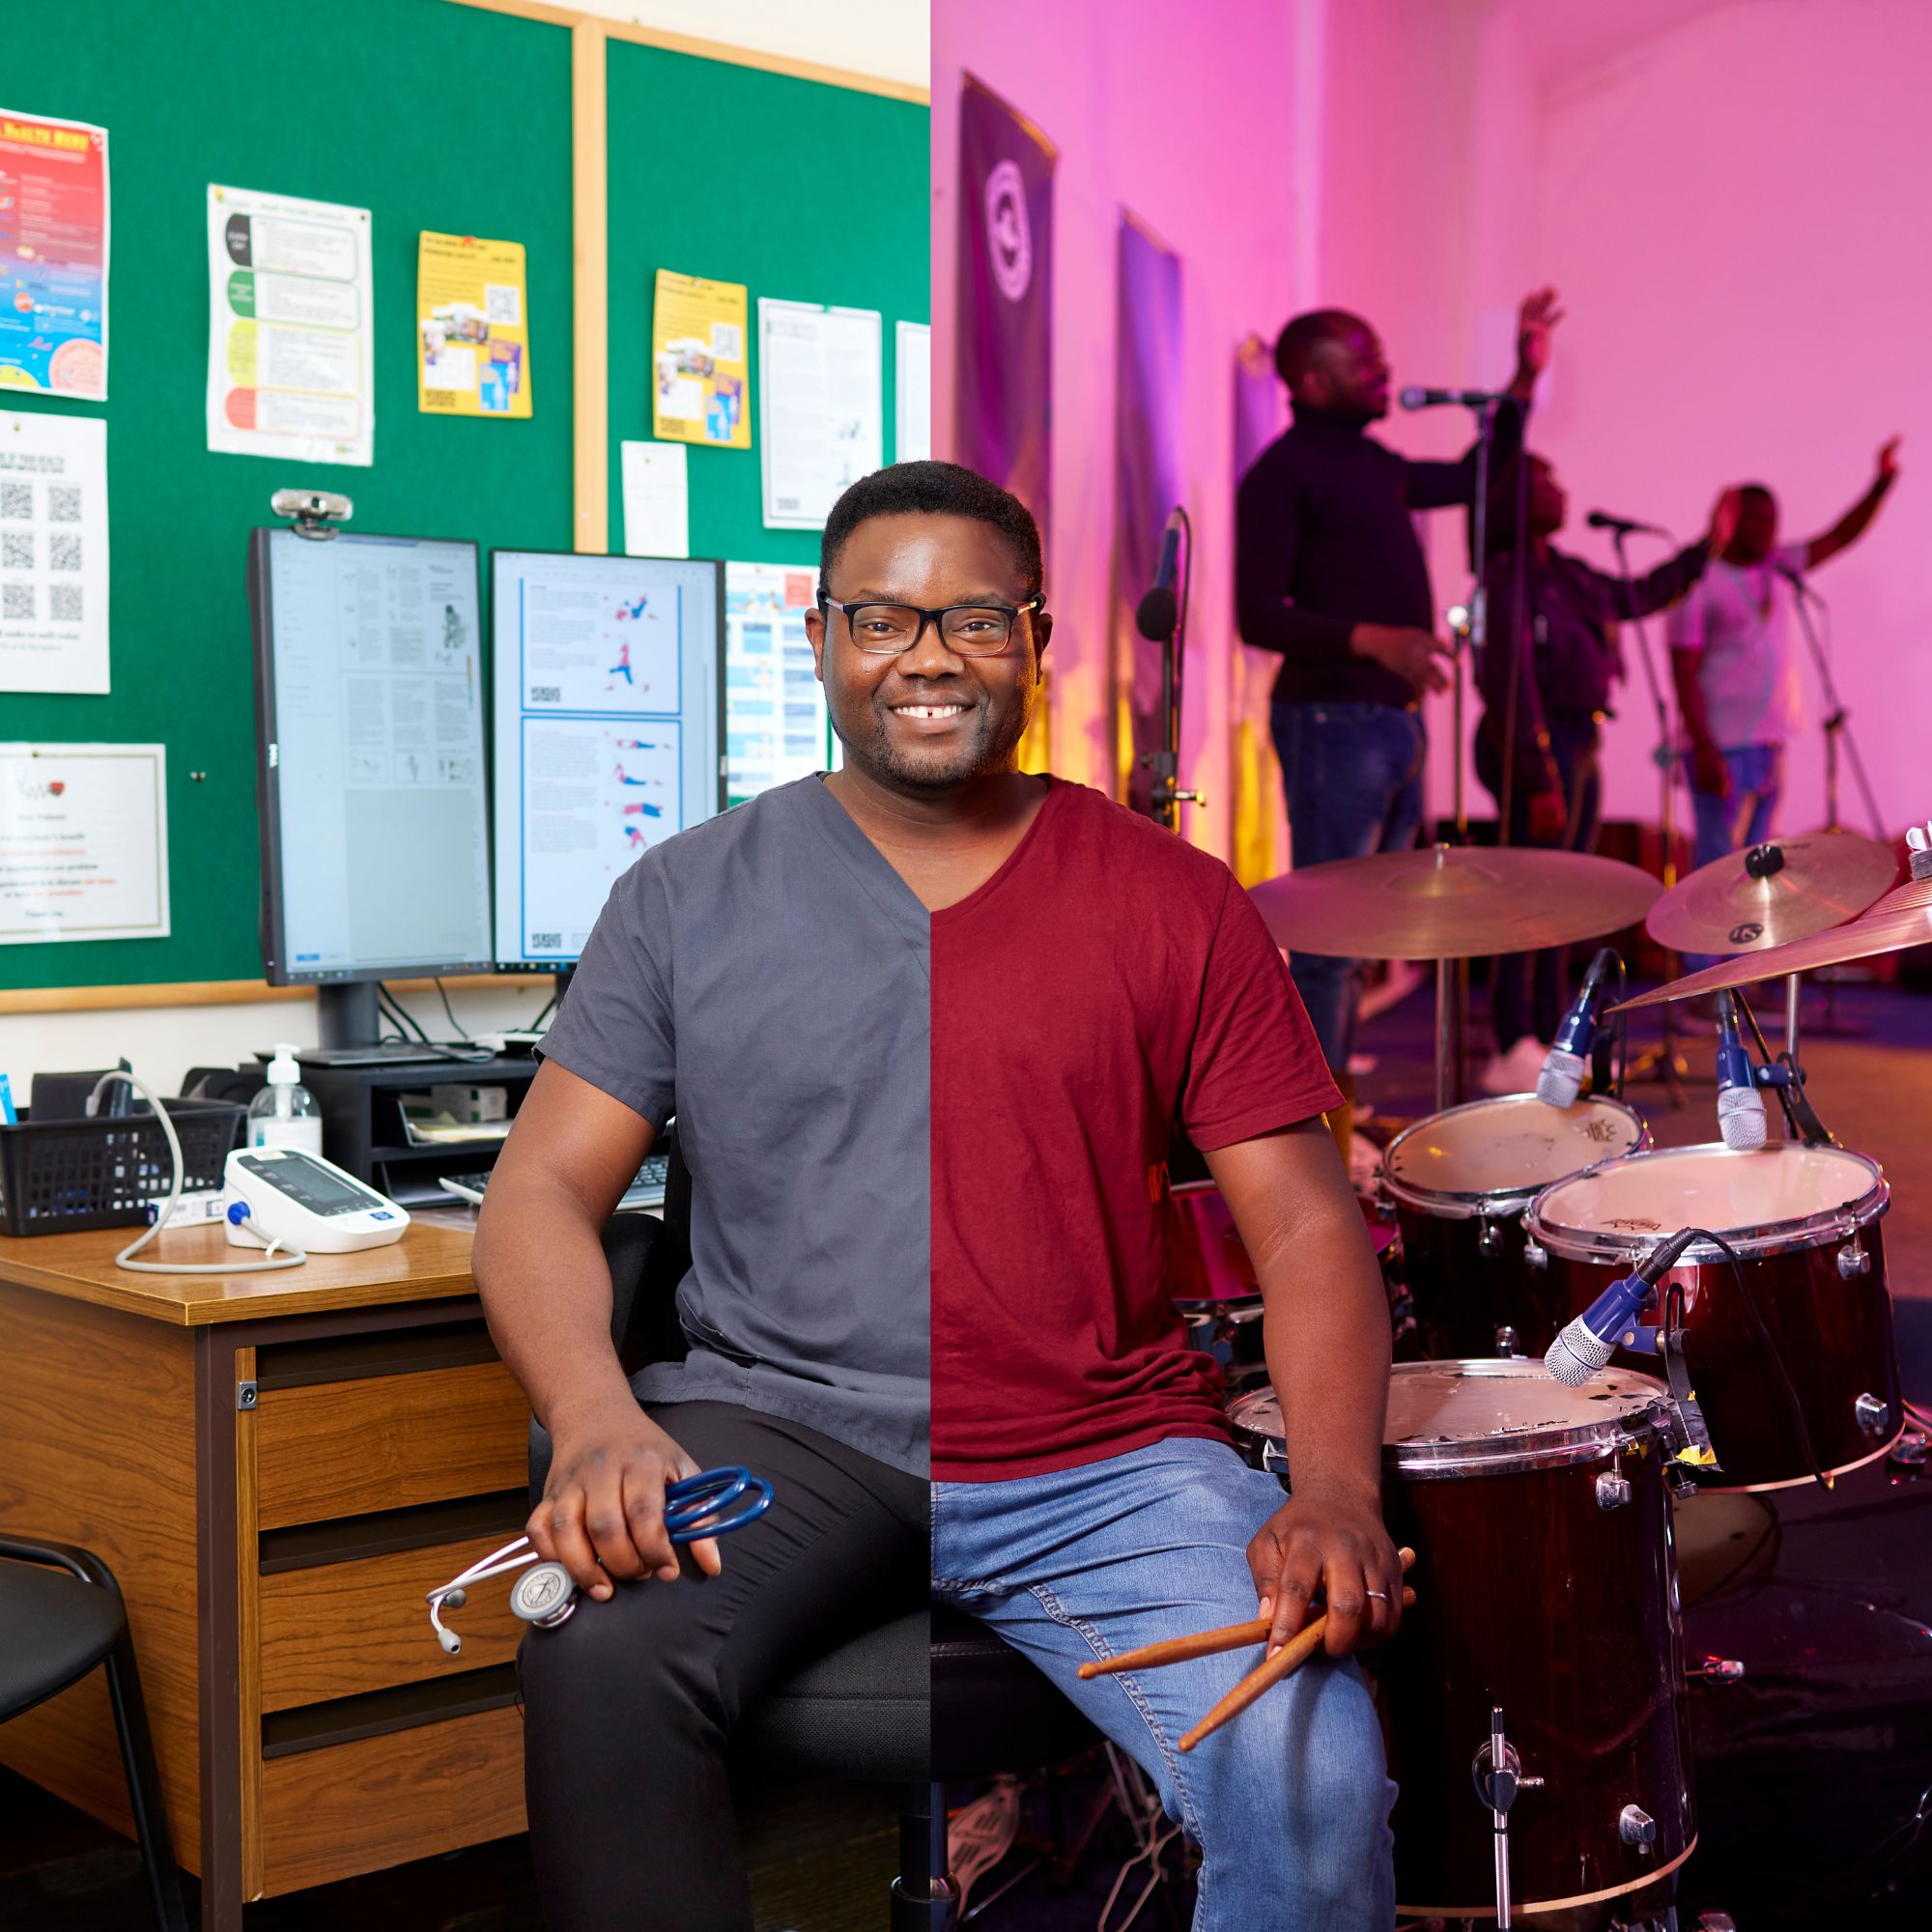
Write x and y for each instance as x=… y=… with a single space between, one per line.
x=1009 y=239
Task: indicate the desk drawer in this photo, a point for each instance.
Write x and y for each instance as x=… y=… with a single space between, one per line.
x=379 y=1800
x=346 y=1628
x=383 y=1443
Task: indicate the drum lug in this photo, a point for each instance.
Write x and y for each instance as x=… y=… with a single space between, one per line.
x=1719 y=1669
x=1274 y=1460
x=1614 y=1490
x=1489 y=1240
x=1535 y=1254
x=1911 y=1449
x=1637 y=1827
x=1871 y=1414
x=1506 y=1341
x=1854 y=1258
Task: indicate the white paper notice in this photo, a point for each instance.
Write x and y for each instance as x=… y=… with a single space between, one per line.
x=656 y=499
x=821 y=406
x=53 y=553
x=290 y=363
x=912 y=437
x=83 y=842
x=776 y=727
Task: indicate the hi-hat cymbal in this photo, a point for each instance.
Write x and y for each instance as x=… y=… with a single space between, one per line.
x=1452 y=902
x=1772 y=894
x=1901 y=919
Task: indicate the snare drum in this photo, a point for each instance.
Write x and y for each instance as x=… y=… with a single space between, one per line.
x=1803 y=1221
x=1461 y=1181
x=1546 y=1583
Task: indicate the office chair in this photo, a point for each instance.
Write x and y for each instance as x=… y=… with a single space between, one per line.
x=54 y=1628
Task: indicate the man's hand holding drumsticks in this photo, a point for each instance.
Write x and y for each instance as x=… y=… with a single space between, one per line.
x=1339 y=1547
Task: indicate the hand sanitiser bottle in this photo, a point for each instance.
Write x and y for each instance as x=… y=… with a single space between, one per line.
x=284 y=1113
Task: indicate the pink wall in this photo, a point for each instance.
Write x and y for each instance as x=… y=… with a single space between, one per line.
x=1735 y=213
x=1300 y=151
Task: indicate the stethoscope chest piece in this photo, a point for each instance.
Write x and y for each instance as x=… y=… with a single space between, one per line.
x=544 y=1595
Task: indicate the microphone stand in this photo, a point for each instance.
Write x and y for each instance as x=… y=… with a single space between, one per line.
x=1663 y=1060
x=1837 y=726
x=1170 y=633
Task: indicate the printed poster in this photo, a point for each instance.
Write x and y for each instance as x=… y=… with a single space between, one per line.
x=83 y=842
x=472 y=327
x=821 y=406
x=290 y=363
x=54 y=257
x=53 y=553
x=701 y=378
x=912 y=437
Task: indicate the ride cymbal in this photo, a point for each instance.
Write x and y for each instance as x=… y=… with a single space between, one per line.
x=1770 y=894
x=1902 y=917
x=1452 y=902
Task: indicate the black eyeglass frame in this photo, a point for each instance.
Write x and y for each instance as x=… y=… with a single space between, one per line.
x=1013 y=612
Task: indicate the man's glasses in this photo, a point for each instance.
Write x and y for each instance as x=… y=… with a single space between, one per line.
x=972 y=629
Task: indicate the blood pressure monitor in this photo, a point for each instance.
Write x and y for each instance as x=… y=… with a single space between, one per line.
x=299 y=1199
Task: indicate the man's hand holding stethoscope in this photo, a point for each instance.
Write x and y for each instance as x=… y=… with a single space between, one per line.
x=621 y=1499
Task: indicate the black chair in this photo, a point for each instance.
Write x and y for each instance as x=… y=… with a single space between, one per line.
x=61 y=1614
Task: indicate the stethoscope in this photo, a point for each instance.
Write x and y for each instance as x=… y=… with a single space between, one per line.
x=711 y=1503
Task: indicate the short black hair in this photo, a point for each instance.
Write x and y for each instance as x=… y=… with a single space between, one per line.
x=1296 y=347
x=934 y=489
x=1761 y=493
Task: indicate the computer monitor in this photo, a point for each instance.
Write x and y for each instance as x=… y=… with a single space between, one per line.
x=777 y=727
x=369 y=716
x=608 y=731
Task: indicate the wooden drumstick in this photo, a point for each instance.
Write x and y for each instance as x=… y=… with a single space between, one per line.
x=1287 y=1660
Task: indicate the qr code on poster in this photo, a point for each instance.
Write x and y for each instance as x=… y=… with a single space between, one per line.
x=16 y=549
x=63 y=553
x=17 y=602
x=63 y=502
x=16 y=501
x=503 y=302
x=728 y=342
x=64 y=602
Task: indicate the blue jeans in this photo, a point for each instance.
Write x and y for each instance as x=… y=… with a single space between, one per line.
x=1744 y=817
x=1290 y=1802
x=1353 y=778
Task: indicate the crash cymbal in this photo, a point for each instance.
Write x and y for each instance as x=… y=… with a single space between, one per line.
x=1902 y=917
x=1772 y=894
x=1452 y=902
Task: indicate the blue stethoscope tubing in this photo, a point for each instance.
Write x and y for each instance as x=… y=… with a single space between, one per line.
x=714 y=1502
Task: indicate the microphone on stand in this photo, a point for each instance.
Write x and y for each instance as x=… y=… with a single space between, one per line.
x=1158 y=613
x=1625 y=526
x=1562 y=1077
x=1414 y=398
x=1584 y=1347
x=1740 y=1105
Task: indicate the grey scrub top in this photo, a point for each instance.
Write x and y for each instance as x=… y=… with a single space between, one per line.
x=765 y=976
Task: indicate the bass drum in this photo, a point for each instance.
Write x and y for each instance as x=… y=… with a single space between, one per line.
x=1807 y=1639
x=1804 y=1222
x=1544 y=1585
x=1461 y=1181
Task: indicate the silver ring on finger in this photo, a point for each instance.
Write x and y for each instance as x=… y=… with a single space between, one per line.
x=1381 y=1596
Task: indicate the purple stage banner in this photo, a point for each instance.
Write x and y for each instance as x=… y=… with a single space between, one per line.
x=1259 y=822
x=1002 y=361
x=1147 y=466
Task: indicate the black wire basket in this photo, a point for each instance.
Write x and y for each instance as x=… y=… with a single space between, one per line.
x=59 y=1177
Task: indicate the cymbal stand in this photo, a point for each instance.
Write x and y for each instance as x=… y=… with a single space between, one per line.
x=1837 y=729
x=1663 y=1060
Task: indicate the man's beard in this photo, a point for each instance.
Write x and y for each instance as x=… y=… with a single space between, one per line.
x=935 y=771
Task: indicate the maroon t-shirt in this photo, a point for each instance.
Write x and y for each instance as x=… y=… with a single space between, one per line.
x=1108 y=980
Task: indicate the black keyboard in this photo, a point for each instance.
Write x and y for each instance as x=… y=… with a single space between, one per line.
x=646 y=1190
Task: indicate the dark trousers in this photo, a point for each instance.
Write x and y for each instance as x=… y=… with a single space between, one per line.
x=629 y=1706
x=1530 y=989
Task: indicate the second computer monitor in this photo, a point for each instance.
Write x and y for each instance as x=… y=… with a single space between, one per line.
x=608 y=731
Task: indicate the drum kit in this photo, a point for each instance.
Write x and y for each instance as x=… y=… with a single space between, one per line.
x=1626 y=1578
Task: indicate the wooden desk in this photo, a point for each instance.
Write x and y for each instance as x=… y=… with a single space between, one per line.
x=276 y=1467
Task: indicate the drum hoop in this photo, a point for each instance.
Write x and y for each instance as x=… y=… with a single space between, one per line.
x=1551 y=1446
x=1220 y=1308
x=1497 y=1204
x=1777 y=1238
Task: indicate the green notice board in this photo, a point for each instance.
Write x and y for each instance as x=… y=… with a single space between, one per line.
x=429 y=115
x=799 y=190
x=432 y=116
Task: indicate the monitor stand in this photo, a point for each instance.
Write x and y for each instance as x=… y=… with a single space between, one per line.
x=348 y=1026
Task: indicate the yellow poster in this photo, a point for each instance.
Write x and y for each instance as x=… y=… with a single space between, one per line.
x=472 y=327
x=701 y=380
